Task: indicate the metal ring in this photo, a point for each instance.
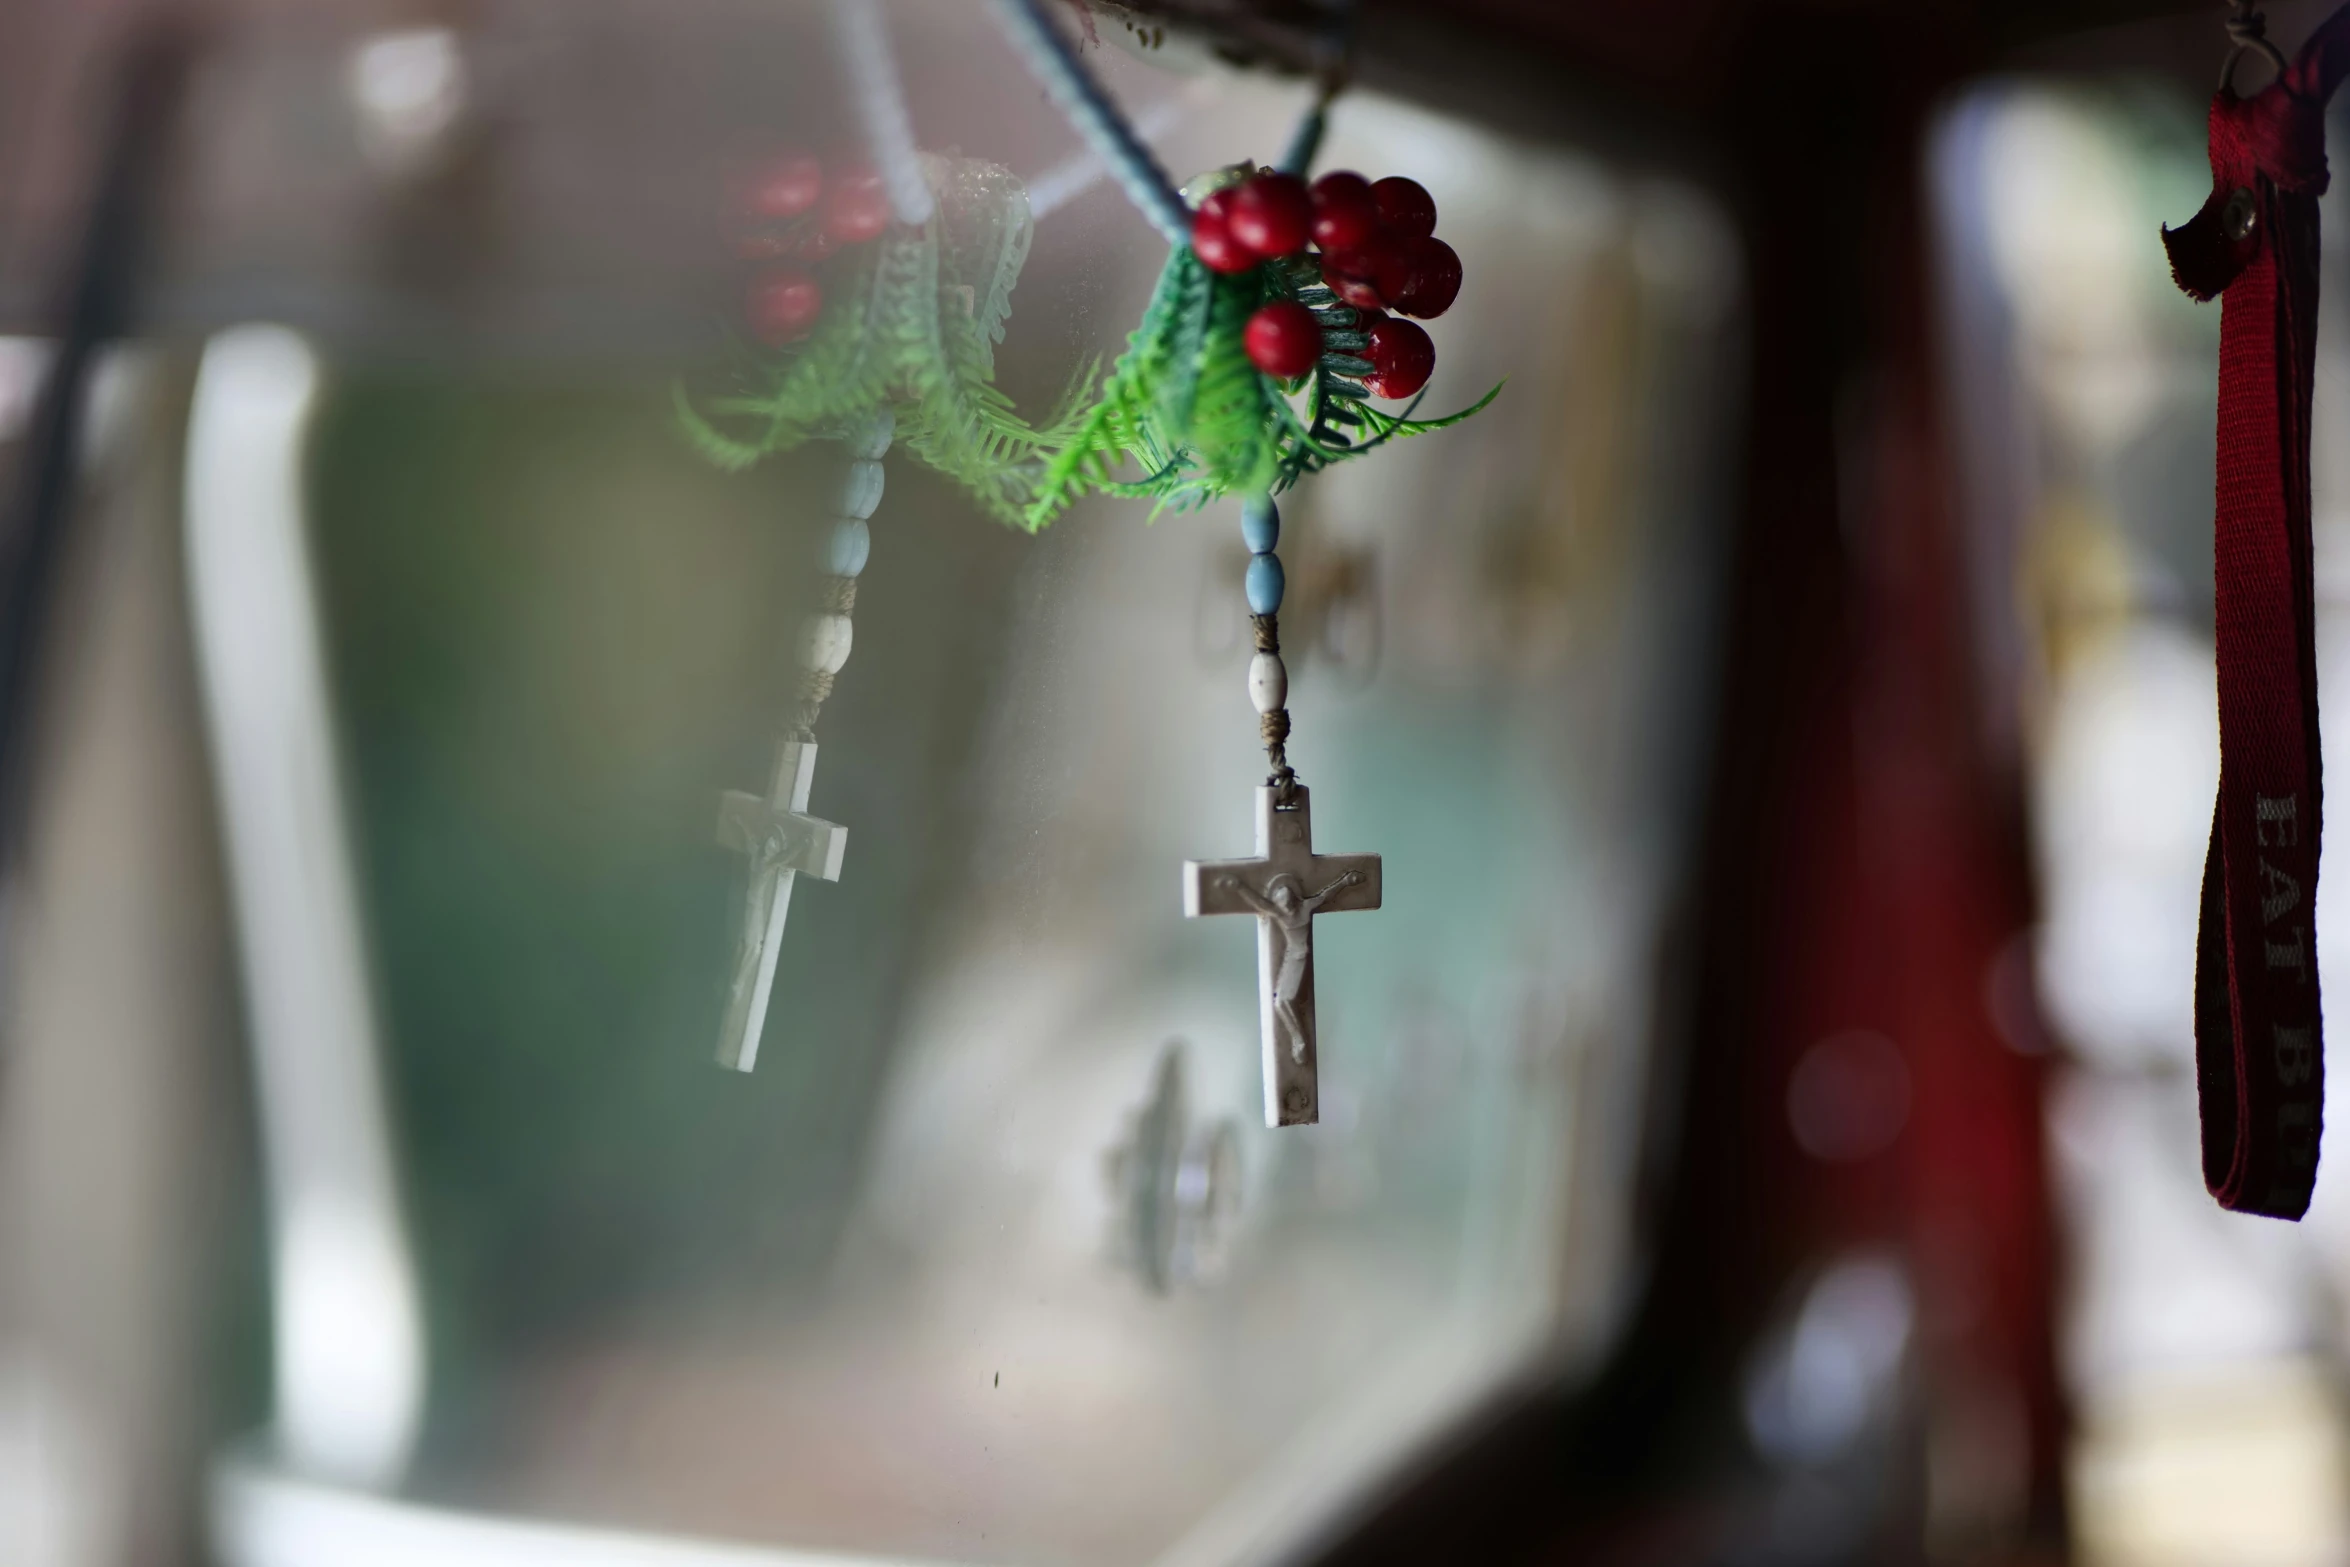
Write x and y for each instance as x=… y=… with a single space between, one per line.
x=2274 y=55
x=2248 y=26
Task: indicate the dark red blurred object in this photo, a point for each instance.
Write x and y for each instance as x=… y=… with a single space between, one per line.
x=1360 y=276
x=1432 y=281
x=1272 y=214
x=785 y=188
x=1393 y=264
x=1405 y=207
x=782 y=306
x=1357 y=289
x=1402 y=358
x=1864 y=863
x=1346 y=214
x=1212 y=241
x=1284 y=339
x=856 y=209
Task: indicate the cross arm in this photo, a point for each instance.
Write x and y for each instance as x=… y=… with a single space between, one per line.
x=1362 y=893
x=1213 y=886
x=797 y=842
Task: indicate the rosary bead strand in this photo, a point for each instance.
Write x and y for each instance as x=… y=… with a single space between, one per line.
x=827 y=636
x=1268 y=677
x=1286 y=884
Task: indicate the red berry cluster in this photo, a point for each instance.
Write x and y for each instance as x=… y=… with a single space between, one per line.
x=1379 y=252
x=794 y=219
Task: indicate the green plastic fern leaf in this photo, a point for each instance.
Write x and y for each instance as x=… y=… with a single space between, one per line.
x=912 y=325
x=1186 y=417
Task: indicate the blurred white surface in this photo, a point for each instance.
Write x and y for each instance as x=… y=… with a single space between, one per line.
x=349 y=1349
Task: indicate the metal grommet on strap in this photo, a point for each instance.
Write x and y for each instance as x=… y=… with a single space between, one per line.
x=2241 y=215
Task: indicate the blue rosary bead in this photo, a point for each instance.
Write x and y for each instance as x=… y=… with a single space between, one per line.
x=1260 y=524
x=846 y=551
x=1265 y=583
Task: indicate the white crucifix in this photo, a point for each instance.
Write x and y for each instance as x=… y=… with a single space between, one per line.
x=1285 y=886
x=782 y=840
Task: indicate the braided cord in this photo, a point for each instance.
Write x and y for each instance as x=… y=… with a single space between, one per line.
x=1273 y=727
x=861 y=37
x=1050 y=59
x=1308 y=139
x=837 y=596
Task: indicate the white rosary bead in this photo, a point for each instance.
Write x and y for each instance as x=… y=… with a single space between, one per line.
x=1268 y=682
x=860 y=489
x=825 y=642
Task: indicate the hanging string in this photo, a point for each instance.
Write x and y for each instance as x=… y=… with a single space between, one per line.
x=1054 y=63
x=1082 y=170
x=1273 y=726
x=861 y=37
x=1332 y=47
x=1308 y=140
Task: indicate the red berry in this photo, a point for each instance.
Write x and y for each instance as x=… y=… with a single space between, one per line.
x=1359 y=292
x=1368 y=276
x=1435 y=280
x=1393 y=267
x=1405 y=206
x=1402 y=358
x=857 y=210
x=786 y=187
x=1217 y=203
x=1272 y=214
x=1284 y=339
x=1346 y=214
x=1218 y=251
x=783 y=305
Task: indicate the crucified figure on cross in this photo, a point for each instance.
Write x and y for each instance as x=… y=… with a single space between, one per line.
x=782 y=841
x=1292 y=916
x=1278 y=887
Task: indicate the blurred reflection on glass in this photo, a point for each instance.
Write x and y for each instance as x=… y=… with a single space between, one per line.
x=991 y=1259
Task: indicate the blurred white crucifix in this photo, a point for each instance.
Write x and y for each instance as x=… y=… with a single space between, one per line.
x=782 y=840
x=1285 y=886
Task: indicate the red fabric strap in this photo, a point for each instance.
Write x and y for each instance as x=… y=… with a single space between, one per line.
x=2259 y=1060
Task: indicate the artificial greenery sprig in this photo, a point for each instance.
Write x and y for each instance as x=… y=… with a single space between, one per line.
x=1186 y=416
x=913 y=325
